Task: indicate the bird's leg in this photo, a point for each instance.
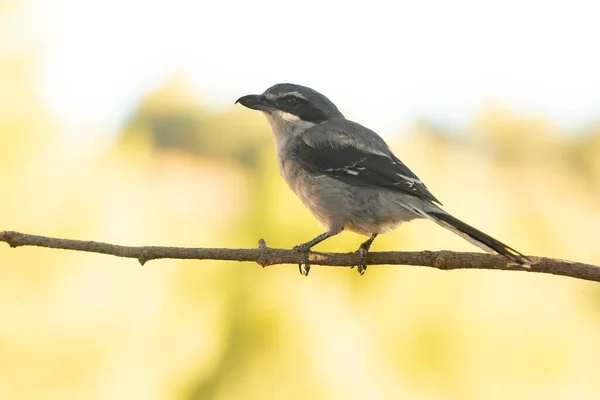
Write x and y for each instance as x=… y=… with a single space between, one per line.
x=305 y=249
x=363 y=250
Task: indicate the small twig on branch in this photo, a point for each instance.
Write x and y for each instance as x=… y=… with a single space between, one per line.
x=265 y=256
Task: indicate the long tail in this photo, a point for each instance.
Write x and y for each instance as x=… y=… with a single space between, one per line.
x=478 y=238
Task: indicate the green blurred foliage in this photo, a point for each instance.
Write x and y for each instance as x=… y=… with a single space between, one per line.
x=173 y=118
x=180 y=173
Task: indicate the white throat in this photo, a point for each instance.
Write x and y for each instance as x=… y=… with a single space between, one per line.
x=286 y=125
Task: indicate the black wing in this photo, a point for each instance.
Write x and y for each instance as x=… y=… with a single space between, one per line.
x=360 y=167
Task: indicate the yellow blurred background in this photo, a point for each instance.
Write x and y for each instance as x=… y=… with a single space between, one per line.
x=174 y=168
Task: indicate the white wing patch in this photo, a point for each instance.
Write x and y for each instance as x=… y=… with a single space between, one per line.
x=409 y=181
x=349 y=169
x=353 y=169
x=345 y=169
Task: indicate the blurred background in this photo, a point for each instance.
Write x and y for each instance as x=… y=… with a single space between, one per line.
x=117 y=124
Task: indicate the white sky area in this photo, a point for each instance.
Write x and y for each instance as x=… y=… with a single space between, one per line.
x=384 y=63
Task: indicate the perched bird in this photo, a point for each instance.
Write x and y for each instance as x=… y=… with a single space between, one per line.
x=346 y=174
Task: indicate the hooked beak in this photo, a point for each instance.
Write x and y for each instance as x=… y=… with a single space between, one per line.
x=255 y=102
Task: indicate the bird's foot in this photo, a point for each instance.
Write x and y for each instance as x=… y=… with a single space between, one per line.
x=304 y=248
x=362 y=266
x=363 y=250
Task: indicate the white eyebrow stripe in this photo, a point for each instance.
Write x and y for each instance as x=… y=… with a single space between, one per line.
x=272 y=96
x=294 y=93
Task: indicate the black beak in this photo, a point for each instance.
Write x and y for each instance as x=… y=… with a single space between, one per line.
x=255 y=102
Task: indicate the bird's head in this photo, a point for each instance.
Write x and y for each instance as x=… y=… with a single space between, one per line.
x=291 y=109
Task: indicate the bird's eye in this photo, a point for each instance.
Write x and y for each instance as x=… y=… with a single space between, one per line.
x=291 y=101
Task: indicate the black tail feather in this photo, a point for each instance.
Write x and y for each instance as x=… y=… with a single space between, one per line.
x=479 y=238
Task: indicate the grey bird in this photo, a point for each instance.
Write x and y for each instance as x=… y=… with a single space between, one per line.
x=346 y=174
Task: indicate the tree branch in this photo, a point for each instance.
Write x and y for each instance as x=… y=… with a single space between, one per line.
x=265 y=256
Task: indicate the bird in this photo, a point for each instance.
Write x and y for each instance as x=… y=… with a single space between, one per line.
x=347 y=176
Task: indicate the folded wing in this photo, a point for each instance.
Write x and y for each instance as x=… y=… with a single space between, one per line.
x=359 y=165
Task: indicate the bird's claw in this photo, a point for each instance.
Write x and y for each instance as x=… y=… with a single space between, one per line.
x=362 y=266
x=303 y=271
